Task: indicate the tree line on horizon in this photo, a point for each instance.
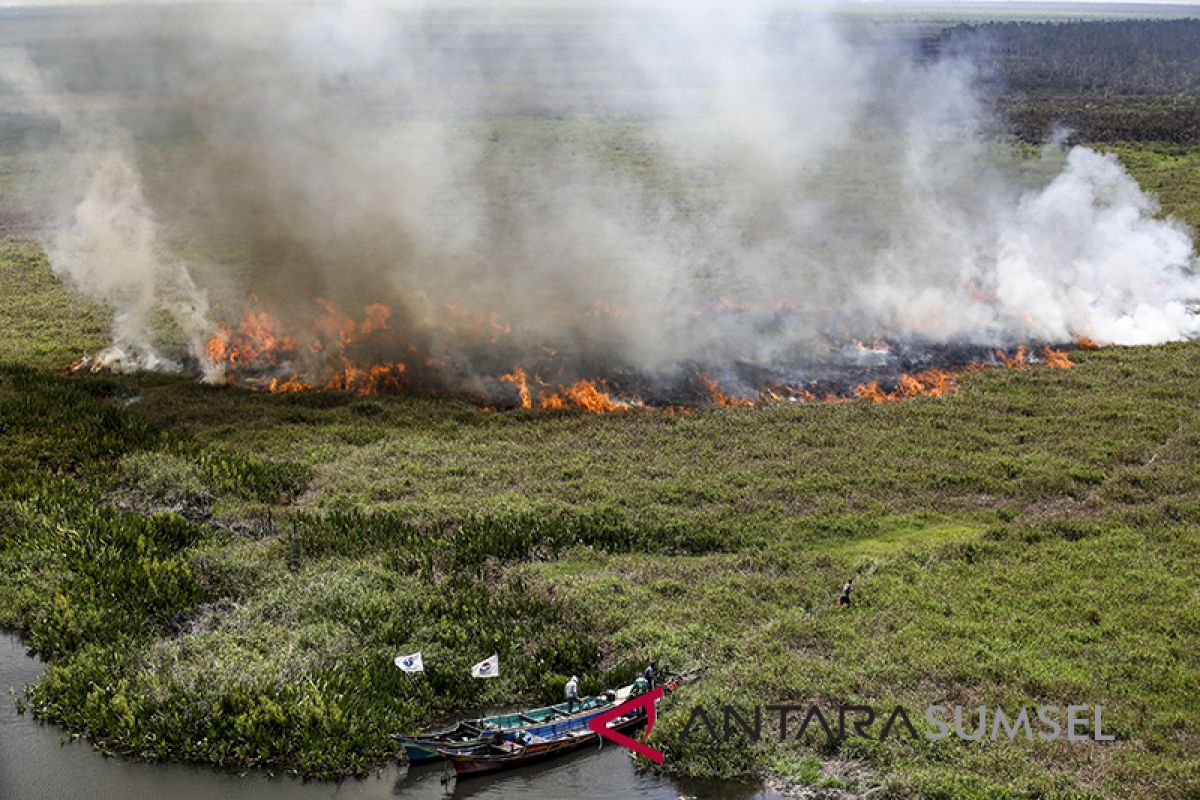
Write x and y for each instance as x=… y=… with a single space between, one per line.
x=1136 y=80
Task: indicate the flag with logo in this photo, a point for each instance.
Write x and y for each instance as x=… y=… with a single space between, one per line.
x=488 y=668
x=411 y=663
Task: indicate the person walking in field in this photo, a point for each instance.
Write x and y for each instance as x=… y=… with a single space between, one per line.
x=844 y=599
x=571 y=694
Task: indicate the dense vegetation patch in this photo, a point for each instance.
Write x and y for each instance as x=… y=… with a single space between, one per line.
x=1133 y=80
x=468 y=547
x=1114 y=57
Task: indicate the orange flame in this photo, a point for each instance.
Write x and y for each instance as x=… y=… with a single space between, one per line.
x=258 y=337
x=872 y=392
x=217 y=348
x=586 y=395
x=518 y=377
x=927 y=383
x=551 y=401
x=1056 y=359
x=259 y=352
x=1016 y=362
x=289 y=385
x=377 y=378
x=259 y=341
x=719 y=398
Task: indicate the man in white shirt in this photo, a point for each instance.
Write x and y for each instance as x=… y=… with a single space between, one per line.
x=571 y=694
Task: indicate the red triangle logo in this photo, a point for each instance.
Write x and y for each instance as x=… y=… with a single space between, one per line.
x=599 y=724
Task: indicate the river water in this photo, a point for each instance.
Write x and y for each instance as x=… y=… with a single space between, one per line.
x=41 y=762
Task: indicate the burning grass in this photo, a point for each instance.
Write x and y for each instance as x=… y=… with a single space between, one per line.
x=261 y=354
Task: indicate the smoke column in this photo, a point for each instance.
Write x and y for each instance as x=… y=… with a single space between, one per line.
x=604 y=191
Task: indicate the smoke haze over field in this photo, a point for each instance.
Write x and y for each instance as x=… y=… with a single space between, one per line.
x=591 y=192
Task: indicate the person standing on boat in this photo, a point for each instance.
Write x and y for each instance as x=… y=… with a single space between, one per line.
x=571 y=694
x=639 y=688
x=648 y=674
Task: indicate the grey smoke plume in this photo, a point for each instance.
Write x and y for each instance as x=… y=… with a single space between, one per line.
x=581 y=191
x=104 y=238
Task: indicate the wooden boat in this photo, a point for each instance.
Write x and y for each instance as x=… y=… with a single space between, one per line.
x=508 y=752
x=473 y=733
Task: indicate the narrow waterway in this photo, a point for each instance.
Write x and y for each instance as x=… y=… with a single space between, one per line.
x=41 y=762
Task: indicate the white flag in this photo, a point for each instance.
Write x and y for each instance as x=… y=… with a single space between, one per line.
x=488 y=668
x=412 y=663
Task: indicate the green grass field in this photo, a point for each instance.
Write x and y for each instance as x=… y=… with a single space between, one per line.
x=224 y=577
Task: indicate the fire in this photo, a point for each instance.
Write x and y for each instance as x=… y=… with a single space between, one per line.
x=334 y=325
x=478 y=320
x=927 y=383
x=1056 y=359
x=1016 y=362
x=518 y=377
x=289 y=385
x=258 y=337
x=1084 y=343
x=872 y=392
x=719 y=398
x=375 y=379
x=260 y=352
x=550 y=402
x=587 y=395
x=217 y=348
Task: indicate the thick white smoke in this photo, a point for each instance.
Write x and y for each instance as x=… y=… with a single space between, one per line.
x=1086 y=255
x=654 y=189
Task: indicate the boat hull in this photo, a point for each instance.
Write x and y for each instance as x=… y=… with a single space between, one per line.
x=420 y=753
x=477 y=733
x=479 y=762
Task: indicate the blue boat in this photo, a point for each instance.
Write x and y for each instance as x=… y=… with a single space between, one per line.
x=472 y=733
